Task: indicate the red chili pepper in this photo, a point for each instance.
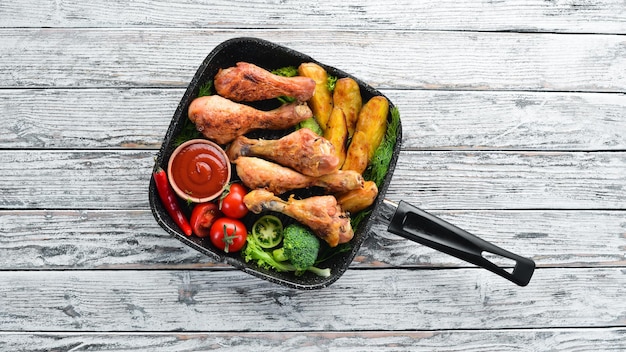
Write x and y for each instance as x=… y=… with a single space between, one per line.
x=168 y=198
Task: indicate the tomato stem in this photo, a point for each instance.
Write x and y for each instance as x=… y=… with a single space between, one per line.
x=228 y=239
x=223 y=195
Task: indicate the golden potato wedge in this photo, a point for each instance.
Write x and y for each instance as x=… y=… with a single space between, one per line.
x=357 y=155
x=321 y=103
x=337 y=133
x=347 y=96
x=358 y=199
x=373 y=122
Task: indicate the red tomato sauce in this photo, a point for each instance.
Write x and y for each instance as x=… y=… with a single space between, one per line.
x=200 y=170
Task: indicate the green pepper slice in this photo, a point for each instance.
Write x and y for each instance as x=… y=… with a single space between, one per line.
x=268 y=231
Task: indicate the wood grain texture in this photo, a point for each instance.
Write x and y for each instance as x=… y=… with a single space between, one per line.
x=513 y=116
x=533 y=180
x=86 y=118
x=511 y=120
x=450 y=120
x=118 y=179
x=128 y=240
x=599 y=339
x=92 y=239
x=418 y=60
x=94 y=179
x=606 y=16
x=196 y=300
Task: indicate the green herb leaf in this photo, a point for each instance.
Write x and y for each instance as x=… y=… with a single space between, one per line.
x=379 y=165
x=206 y=89
x=356 y=219
x=331 y=252
x=188 y=132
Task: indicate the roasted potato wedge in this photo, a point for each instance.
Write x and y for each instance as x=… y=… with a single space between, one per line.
x=347 y=96
x=356 y=156
x=358 y=199
x=321 y=103
x=373 y=122
x=337 y=133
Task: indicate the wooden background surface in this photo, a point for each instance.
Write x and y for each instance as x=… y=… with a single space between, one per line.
x=514 y=119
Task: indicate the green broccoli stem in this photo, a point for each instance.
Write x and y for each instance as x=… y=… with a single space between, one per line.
x=269 y=260
x=279 y=254
x=253 y=251
x=319 y=272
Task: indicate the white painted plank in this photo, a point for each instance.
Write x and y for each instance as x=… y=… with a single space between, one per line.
x=412 y=60
x=94 y=239
x=600 y=339
x=361 y=300
x=605 y=16
x=118 y=179
x=58 y=179
x=138 y=118
x=125 y=239
x=510 y=180
x=512 y=120
x=86 y=118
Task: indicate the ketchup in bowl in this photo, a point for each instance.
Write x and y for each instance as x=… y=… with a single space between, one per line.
x=199 y=170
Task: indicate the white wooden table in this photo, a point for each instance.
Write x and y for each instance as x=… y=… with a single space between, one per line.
x=514 y=119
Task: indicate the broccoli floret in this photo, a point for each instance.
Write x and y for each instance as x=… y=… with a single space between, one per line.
x=311 y=124
x=300 y=248
x=287 y=71
x=331 y=82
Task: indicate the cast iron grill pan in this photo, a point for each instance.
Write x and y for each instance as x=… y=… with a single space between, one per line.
x=404 y=219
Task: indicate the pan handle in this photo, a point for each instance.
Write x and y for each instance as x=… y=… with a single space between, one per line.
x=419 y=226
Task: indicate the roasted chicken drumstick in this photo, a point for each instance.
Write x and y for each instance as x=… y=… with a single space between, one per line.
x=259 y=173
x=223 y=120
x=248 y=82
x=320 y=213
x=302 y=150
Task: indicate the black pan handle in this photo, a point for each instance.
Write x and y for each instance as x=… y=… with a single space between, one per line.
x=419 y=226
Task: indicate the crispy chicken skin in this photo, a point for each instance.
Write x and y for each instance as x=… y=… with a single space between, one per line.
x=302 y=150
x=223 y=120
x=248 y=82
x=259 y=173
x=320 y=213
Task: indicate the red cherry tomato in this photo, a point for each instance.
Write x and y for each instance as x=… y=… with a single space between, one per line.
x=232 y=204
x=228 y=234
x=202 y=217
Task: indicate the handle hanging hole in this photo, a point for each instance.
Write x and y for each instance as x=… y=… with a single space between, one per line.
x=506 y=264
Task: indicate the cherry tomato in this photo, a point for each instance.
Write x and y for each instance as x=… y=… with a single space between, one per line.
x=228 y=234
x=232 y=204
x=202 y=217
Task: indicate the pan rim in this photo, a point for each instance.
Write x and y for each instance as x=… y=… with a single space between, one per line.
x=291 y=281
